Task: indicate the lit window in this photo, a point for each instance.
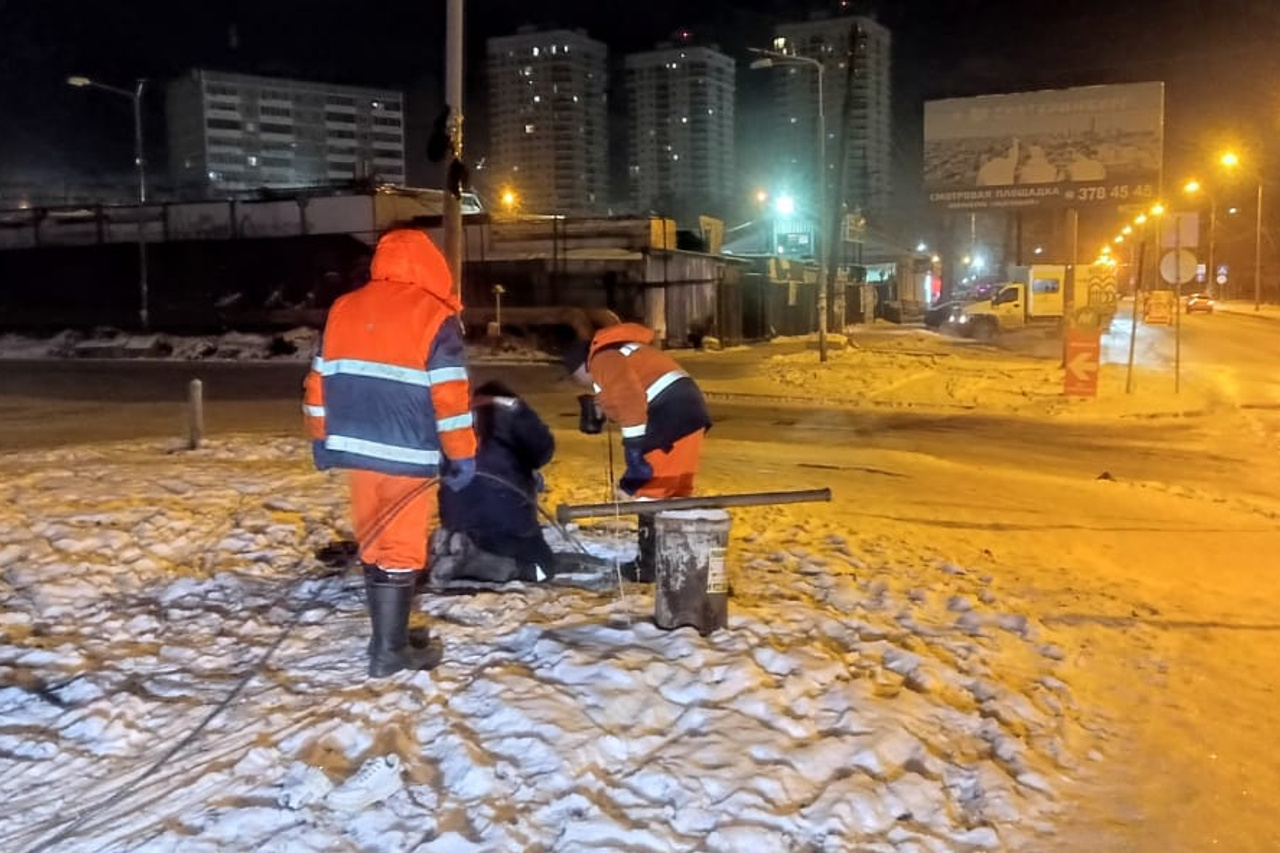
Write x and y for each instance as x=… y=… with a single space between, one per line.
x=537 y=99
x=794 y=119
x=535 y=51
x=675 y=156
x=711 y=112
x=528 y=128
x=684 y=119
x=253 y=160
x=553 y=49
x=575 y=99
x=377 y=105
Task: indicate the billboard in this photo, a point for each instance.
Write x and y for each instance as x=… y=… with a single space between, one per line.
x=1081 y=147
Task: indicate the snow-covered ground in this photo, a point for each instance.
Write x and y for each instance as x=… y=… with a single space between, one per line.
x=866 y=696
x=903 y=368
x=963 y=651
x=294 y=345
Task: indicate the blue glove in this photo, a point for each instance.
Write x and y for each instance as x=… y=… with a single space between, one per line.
x=638 y=471
x=459 y=474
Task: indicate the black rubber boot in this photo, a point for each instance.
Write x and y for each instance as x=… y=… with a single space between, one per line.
x=390 y=596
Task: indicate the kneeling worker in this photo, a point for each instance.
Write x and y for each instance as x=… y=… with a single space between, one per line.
x=658 y=407
x=490 y=529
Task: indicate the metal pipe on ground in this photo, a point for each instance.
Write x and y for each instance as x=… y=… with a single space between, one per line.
x=566 y=513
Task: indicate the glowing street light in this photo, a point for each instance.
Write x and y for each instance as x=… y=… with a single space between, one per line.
x=781 y=57
x=1038 y=250
x=1157 y=209
x=1119 y=239
x=1140 y=219
x=140 y=164
x=1193 y=188
x=1231 y=161
x=762 y=196
x=785 y=205
x=1127 y=230
x=1106 y=250
x=921 y=247
x=509 y=199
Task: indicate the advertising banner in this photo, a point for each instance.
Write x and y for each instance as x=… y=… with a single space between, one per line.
x=1082 y=147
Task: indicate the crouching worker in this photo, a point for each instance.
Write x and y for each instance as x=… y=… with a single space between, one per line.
x=387 y=399
x=490 y=530
x=659 y=408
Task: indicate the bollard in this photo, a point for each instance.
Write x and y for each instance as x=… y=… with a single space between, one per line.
x=195 y=414
x=692 y=583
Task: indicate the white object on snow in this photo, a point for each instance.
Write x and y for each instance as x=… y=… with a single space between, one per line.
x=376 y=780
x=302 y=786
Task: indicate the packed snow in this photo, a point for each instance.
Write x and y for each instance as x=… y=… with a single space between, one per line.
x=172 y=650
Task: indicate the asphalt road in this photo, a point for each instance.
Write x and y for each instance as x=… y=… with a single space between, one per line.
x=53 y=403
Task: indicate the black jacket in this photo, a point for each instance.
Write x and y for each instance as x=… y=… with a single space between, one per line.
x=499 y=509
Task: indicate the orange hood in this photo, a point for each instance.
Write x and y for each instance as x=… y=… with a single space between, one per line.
x=623 y=333
x=409 y=256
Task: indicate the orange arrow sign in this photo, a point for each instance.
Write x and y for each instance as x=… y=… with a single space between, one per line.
x=1083 y=366
x=1080 y=379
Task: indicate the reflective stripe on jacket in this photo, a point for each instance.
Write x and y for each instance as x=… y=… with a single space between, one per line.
x=654 y=402
x=388 y=391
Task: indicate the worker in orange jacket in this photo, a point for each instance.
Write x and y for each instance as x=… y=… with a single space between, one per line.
x=660 y=410
x=388 y=399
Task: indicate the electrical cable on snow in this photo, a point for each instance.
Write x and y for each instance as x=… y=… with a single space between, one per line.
x=128 y=788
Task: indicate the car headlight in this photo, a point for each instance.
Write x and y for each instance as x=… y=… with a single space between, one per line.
x=964 y=318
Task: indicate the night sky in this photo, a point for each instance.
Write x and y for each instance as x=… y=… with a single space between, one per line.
x=1219 y=58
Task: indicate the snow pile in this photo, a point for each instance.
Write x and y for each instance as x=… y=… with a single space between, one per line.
x=923 y=370
x=841 y=710
x=295 y=345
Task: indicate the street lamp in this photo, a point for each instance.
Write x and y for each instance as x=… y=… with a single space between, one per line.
x=1193 y=187
x=509 y=200
x=1230 y=161
x=770 y=59
x=140 y=164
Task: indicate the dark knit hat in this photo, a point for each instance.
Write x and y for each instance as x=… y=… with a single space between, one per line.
x=575 y=355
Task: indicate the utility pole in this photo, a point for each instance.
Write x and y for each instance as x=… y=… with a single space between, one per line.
x=141 y=163
x=1069 y=283
x=1257 y=254
x=453 y=102
x=1133 y=325
x=835 y=240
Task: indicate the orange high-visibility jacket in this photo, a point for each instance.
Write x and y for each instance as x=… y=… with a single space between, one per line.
x=388 y=390
x=643 y=389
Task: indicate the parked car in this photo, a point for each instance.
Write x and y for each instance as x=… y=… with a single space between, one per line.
x=1199 y=302
x=943 y=315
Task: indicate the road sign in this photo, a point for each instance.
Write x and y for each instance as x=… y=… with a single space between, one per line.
x=1080 y=379
x=1178 y=267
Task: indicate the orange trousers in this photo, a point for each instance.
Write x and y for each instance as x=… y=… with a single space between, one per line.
x=393 y=518
x=674 y=470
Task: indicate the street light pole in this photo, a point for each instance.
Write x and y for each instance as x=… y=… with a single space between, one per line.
x=453 y=101
x=140 y=165
x=768 y=60
x=1257 y=255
